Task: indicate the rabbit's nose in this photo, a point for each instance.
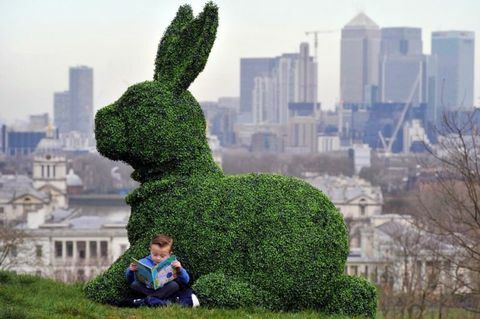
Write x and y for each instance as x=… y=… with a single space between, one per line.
x=109 y=133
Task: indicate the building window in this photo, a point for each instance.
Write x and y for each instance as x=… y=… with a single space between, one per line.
x=53 y=170
x=103 y=248
x=69 y=249
x=81 y=249
x=58 y=249
x=43 y=171
x=2 y=210
x=123 y=248
x=93 y=249
x=38 y=250
x=38 y=273
x=363 y=206
x=48 y=170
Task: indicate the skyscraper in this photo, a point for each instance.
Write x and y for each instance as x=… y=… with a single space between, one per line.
x=402 y=66
x=61 y=111
x=263 y=100
x=401 y=40
x=292 y=78
x=306 y=76
x=250 y=68
x=454 y=51
x=81 y=99
x=360 y=46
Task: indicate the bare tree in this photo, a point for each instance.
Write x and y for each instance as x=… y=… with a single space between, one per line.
x=11 y=242
x=411 y=279
x=450 y=200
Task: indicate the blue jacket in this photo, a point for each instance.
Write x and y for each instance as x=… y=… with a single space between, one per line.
x=182 y=274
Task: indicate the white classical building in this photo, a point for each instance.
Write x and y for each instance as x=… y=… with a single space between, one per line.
x=50 y=171
x=46 y=190
x=356 y=198
x=73 y=244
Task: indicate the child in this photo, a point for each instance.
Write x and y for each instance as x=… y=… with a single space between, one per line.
x=160 y=249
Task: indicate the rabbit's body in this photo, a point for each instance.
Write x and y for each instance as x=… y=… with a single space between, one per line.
x=244 y=227
x=257 y=239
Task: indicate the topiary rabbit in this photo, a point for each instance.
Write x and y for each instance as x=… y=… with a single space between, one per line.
x=247 y=240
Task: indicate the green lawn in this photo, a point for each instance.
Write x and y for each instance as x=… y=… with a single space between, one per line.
x=24 y=296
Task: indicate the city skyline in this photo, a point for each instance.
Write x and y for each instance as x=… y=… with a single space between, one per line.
x=118 y=40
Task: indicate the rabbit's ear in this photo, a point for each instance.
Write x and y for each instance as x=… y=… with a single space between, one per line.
x=185 y=46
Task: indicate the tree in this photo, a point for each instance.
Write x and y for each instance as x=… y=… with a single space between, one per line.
x=450 y=200
x=11 y=241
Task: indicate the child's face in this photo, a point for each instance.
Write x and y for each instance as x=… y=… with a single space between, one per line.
x=158 y=253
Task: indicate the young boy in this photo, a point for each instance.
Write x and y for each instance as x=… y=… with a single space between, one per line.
x=160 y=249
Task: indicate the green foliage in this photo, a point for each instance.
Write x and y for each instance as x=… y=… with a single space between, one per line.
x=277 y=234
x=185 y=46
x=216 y=290
x=353 y=296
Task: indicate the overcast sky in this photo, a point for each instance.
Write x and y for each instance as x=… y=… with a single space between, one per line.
x=39 y=40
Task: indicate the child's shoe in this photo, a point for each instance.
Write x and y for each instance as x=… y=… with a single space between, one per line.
x=139 y=302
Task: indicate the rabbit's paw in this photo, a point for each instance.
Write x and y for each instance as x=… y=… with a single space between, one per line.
x=218 y=290
x=352 y=296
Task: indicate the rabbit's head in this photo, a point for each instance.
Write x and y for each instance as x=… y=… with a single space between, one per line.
x=158 y=123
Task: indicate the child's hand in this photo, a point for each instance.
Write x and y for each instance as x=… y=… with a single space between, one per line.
x=176 y=264
x=133 y=266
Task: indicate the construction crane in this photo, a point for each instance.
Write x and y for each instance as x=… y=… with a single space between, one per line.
x=387 y=143
x=315 y=39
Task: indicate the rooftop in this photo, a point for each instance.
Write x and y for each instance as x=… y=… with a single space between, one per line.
x=361 y=21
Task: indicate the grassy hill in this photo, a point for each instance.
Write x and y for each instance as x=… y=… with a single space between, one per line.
x=24 y=296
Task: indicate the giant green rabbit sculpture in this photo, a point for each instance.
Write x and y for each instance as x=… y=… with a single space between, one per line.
x=247 y=240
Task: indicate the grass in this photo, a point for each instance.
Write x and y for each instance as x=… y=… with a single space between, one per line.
x=25 y=296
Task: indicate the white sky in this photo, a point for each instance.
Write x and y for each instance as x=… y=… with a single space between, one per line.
x=40 y=39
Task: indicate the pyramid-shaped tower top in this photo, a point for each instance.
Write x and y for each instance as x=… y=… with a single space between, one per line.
x=361 y=21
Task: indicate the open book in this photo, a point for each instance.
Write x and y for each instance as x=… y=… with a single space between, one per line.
x=157 y=276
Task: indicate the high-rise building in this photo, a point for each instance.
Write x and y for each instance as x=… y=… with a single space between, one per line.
x=403 y=68
x=263 y=100
x=284 y=73
x=61 y=111
x=269 y=85
x=81 y=99
x=360 y=47
x=401 y=40
x=403 y=77
x=250 y=68
x=454 y=51
x=292 y=78
x=306 y=88
x=73 y=109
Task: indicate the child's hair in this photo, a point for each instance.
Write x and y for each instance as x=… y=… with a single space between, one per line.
x=162 y=240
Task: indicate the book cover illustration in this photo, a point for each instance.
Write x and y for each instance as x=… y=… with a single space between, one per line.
x=157 y=276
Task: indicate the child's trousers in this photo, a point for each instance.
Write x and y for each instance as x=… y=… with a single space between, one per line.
x=163 y=293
